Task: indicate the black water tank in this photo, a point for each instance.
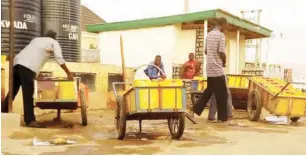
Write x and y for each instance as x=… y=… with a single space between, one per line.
x=63 y=17
x=27 y=23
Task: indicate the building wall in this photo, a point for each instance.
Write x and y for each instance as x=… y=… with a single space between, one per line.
x=88 y=53
x=231 y=52
x=98 y=99
x=140 y=47
x=89 y=38
x=184 y=44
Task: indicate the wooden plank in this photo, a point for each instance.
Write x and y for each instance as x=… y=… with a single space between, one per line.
x=190 y=118
x=123 y=61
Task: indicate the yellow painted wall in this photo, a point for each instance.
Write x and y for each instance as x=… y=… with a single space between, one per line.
x=97 y=99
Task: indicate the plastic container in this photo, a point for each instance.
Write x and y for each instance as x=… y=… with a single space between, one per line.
x=147 y=98
x=198 y=84
x=67 y=90
x=149 y=95
x=238 y=81
x=171 y=94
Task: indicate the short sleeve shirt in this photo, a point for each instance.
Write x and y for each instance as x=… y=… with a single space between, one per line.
x=215 y=43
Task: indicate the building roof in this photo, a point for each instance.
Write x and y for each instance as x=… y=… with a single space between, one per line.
x=257 y=30
x=89 y=17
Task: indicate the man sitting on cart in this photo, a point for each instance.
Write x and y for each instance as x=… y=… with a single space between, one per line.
x=27 y=65
x=153 y=72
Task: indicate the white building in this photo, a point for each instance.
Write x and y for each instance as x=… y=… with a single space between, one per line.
x=173 y=37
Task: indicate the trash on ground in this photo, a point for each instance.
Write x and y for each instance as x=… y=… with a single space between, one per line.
x=37 y=142
x=58 y=141
x=277 y=120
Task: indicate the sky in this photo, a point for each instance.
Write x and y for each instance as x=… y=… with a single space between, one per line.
x=286 y=17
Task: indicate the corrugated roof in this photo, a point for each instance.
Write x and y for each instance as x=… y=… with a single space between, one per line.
x=89 y=17
x=190 y=17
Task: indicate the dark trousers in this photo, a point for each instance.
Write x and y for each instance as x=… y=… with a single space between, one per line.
x=23 y=77
x=216 y=85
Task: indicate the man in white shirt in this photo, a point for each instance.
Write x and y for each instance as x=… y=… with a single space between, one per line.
x=27 y=64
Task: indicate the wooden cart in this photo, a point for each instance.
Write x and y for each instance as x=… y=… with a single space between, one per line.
x=151 y=100
x=237 y=83
x=60 y=93
x=277 y=97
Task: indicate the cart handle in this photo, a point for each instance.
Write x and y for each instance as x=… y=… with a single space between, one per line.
x=162 y=72
x=119 y=83
x=288 y=83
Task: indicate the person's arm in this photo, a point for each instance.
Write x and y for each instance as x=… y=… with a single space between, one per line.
x=221 y=50
x=198 y=66
x=163 y=69
x=182 y=70
x=60 y=60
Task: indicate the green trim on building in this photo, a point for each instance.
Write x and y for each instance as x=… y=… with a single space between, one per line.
x=175 y=19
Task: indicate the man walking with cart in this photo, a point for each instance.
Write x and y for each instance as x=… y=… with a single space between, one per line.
x=27 y=64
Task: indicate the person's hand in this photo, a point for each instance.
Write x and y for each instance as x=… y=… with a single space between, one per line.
x=70 y=76
x=163 y=77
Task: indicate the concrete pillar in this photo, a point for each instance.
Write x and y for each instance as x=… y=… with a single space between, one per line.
x=237 y=64
x=204 y=45
x=186 y=6
x=258 y=53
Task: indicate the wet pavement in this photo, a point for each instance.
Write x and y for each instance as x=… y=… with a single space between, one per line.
x=202 y=138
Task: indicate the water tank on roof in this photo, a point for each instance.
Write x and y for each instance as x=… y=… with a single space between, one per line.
x=27 y=24
x=63 y=17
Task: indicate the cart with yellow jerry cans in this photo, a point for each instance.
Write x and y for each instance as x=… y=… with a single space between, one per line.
x=152 y=100
x=277 y=97
x=60 y=93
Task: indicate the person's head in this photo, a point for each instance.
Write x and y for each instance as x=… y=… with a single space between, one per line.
x=157 y=60
x=51 y=34
x=222 y=23
x=191 y=56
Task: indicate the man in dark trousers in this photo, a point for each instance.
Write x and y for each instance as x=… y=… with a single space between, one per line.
x=27 y=64
x=216 y=60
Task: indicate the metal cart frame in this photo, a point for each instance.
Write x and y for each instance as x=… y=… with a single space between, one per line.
x=175 y=116
x=60 y=104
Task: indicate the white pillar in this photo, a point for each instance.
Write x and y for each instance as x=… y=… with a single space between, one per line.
x=204 y=45
x=186 y=6
x=237 y=60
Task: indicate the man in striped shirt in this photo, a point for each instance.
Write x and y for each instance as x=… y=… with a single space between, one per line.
x=216 y=60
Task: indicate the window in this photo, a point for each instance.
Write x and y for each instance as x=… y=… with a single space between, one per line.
x=89 y=79
x=115 y=78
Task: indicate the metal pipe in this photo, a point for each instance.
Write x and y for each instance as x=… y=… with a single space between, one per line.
x=119 y=83
x=160 y=70
x=11 y=55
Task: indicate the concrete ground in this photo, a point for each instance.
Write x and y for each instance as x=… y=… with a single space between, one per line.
x=202 y=138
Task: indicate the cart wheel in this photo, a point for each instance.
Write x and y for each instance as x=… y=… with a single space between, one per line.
x=177 y=125
x=120 y=118
x=83 y=108
x=254 y=105
x=294 y=119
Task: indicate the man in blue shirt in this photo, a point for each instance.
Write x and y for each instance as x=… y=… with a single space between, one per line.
x=152 y=72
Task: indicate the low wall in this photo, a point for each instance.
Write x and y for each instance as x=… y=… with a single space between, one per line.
x=99 y=99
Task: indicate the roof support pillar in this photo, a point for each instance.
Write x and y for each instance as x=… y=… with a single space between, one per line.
x=204 y=46
x=237 y=62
